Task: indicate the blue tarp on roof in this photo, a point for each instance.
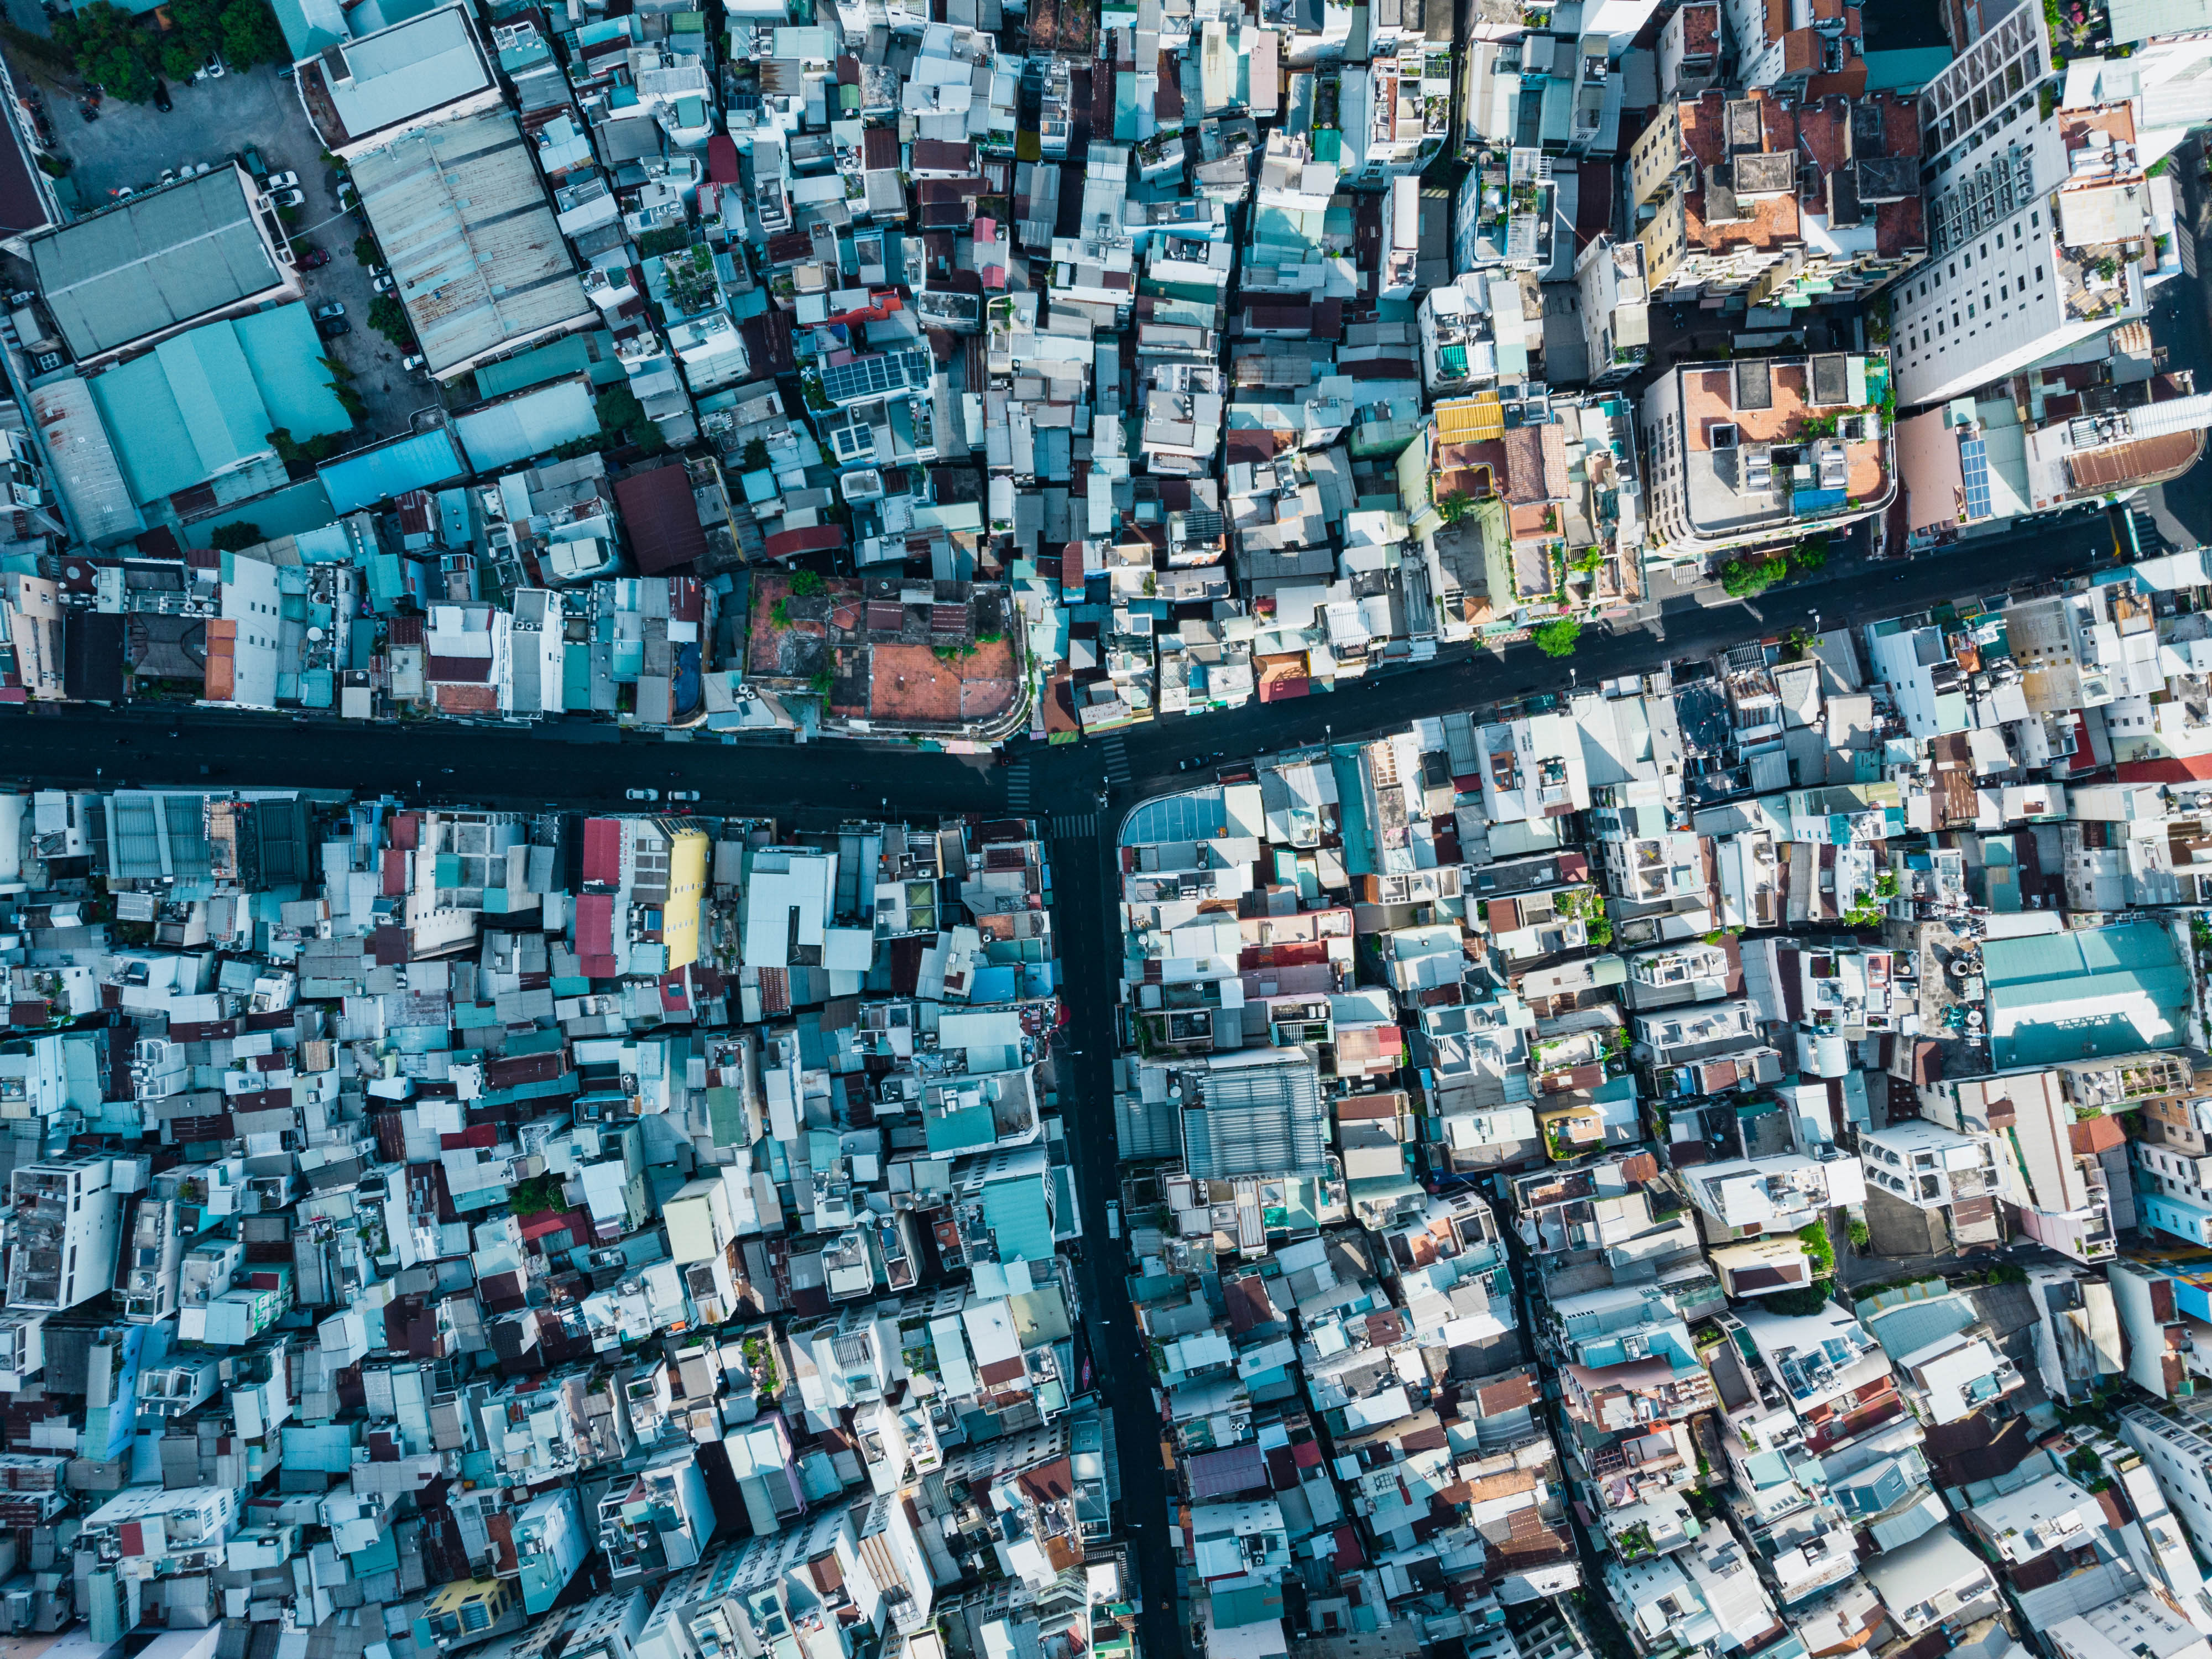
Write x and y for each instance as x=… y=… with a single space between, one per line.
x=377 y=475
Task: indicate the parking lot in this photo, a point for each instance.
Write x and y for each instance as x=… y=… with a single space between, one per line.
x=131 y=144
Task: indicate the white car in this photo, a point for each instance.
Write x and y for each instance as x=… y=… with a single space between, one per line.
x=288 y=198
x=683 y=794
x=214 y=69
x=1113 y=1218
x=409 y=364
x=282 y=181
x=640 y=794
x=385 y=283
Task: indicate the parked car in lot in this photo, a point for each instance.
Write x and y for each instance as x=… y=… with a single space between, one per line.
x=161 y=101
x=640 y=794
x=384 y=284
x=683 y=794
x=252 y=158
x=214 y=69
x=283 y=180
x=336 y=308
x=411 y=362
x=331 y=327
x=310 y=258
x=288 y=198
x=349 y=198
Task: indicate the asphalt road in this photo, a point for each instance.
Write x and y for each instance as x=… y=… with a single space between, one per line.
x=820 y=782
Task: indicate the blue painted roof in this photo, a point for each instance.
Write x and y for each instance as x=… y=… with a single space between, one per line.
x=205 y=401
x=393 y=469
x=2089 y=992
x=1015 y=1211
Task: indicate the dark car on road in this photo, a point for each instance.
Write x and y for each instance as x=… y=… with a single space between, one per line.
x=313 y=258
x=161 y=95
x=331 y=327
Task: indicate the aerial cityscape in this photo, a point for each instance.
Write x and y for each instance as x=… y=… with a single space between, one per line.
x=1105 y=829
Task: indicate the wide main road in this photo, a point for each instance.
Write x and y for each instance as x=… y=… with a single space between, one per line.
x=507 y=768
x=504 y=765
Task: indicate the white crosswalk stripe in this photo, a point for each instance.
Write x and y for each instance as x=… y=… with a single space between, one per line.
x=1074 y=826
x=1114 y=753
x=1017 y=787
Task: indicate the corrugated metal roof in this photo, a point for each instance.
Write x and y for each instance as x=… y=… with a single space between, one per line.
x=2139 y=20
x=1472 y=420
x=502 y=434
x=377 y=475
x=86 y=468
x=204 y=402
x=569 y=355
x=154 y=261
x=466 y=226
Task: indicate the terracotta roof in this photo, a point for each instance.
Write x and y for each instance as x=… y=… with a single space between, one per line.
x=2095 y=1134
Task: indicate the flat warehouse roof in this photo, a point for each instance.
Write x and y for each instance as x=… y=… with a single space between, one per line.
x=153 y=262
x=466 y=226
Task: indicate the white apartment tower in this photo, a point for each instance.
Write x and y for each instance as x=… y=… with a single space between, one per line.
x=2040 y=227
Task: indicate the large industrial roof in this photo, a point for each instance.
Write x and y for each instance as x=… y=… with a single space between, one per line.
x=205 y=400
x=153 y=262
x=2085 y=991
x=464 y=222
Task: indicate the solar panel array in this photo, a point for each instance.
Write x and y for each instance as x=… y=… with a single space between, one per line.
x=1974 y=464
x=872 y=377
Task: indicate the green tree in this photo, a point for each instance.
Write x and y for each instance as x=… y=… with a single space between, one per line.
x=364 y=251
x=108 y=46
x=179 y=61
x=232 y=538
x=197 y=26
x=806 y=585
x=1747 y=578
x=389 y=317
x=1818 y=1247
x=251 y=35
x=1454 y=506
x=1557 y=637
x=622 y=417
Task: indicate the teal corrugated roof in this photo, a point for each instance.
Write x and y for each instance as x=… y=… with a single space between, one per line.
x=504 y=433
x=2093 y=991
x=393 y=469
x=204 y=401
x=1016 y=1213
x=309 y=25
x=569 y=355
x=285 y=360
